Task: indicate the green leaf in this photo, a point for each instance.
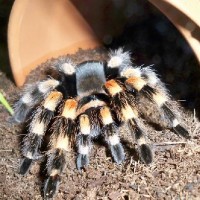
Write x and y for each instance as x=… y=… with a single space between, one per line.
x=6 y=104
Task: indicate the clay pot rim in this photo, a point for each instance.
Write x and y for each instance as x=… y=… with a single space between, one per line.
x=190 y=11
x=88 y=41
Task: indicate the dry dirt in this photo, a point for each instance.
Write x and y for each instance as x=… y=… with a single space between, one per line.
x=174 y=174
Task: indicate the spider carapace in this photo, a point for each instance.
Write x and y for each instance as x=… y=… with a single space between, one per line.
x=89 y=100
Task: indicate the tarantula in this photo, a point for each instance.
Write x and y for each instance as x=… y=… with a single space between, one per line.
x=88 y=100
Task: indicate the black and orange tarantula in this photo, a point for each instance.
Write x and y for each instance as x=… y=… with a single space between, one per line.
x=88 y=100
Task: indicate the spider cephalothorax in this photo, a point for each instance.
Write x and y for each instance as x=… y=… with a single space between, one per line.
x=89 y=100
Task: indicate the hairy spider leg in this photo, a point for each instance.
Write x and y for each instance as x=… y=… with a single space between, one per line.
x=90 y=77
x=146 y=80
x=126 y=111
x=32 y=96
x=67 y=77
x=63 y=133
x=110 y=131
x=155 y=82
x=38 y=126
x=83 y=141
x=157 y=95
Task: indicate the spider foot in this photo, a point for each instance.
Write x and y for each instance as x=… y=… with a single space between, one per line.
x=146 y=154
x=82 y=161
x=26 y=163
x=51 y=186
x=117 y=153
x=182 y=131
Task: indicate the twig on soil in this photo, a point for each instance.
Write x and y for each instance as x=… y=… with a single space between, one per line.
x=194 y=115
x=6 y=150
x=195 y=123
x=168 y=143
x=129 y=165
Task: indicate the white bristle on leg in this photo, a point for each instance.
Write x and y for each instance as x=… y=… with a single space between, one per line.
x=62 y=142
x=52 y=100
x=129 y=113
x=29 y=155
x=51 y=105
x=47 y=85
x=152 y=77
x=175 y=122
x=67 y=68
x=84 y=124
x=38 y=127
x=141 y=141
x=130 y=72
x=119 y=58
x=114 y=139
x=159 y=98
x=83 y=149
x=27 y=98
x=115 y=61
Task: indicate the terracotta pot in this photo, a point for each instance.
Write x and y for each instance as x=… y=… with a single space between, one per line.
x=42 y=29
